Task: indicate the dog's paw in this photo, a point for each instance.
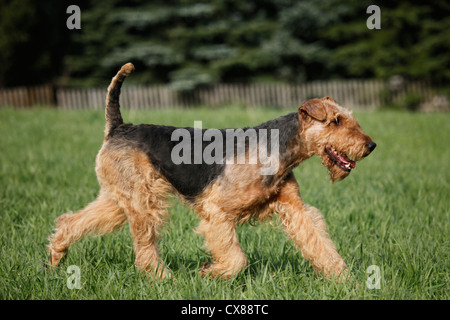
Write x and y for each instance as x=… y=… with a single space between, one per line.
x=206 y=269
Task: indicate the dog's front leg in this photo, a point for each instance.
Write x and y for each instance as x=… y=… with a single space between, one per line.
x=221 y=239
x=307 y=228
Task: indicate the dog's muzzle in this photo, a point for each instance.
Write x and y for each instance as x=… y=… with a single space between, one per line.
x=371 y=146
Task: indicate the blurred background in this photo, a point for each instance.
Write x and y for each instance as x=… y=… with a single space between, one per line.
x=230 y=64
x=254 y=52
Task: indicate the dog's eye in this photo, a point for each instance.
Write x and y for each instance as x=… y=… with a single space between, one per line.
x=337 y=121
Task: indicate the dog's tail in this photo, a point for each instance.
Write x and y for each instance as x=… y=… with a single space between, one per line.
x=112 y=111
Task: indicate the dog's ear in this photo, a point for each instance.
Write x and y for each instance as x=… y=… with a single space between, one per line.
x=314 y=108
x=328 y=98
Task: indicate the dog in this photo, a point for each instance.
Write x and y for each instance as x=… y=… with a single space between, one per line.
x=136 y=173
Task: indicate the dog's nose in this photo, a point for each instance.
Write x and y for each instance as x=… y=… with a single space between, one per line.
x=371 y=146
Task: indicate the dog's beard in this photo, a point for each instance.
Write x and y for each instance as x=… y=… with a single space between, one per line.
x=334 y=171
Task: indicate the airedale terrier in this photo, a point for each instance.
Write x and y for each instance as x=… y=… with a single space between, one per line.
x=136 y=174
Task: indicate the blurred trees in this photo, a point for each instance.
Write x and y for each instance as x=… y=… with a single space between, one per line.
x=414 y=40
x=188 y=43
x=33 y=41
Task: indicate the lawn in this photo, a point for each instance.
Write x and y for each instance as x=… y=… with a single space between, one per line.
x=391 y=212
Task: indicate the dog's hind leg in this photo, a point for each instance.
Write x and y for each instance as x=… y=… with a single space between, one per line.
x=100 y=217
x=146 y=218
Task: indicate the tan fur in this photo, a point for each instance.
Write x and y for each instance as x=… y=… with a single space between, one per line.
x=237 y=197
x=100 y=217
x=307 y=228
x=348 y=138
x=132 y=190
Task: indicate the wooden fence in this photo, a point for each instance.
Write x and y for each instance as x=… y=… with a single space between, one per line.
x=27 y=96
x=358 y=94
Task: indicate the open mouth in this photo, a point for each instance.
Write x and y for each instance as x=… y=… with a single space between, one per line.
x=340 y=159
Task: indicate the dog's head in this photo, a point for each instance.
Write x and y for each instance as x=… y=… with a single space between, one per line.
x=331 y=132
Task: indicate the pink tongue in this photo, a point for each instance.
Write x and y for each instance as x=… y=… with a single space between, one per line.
x=345 y=161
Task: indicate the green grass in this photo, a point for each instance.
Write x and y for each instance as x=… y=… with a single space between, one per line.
x=392 y=211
